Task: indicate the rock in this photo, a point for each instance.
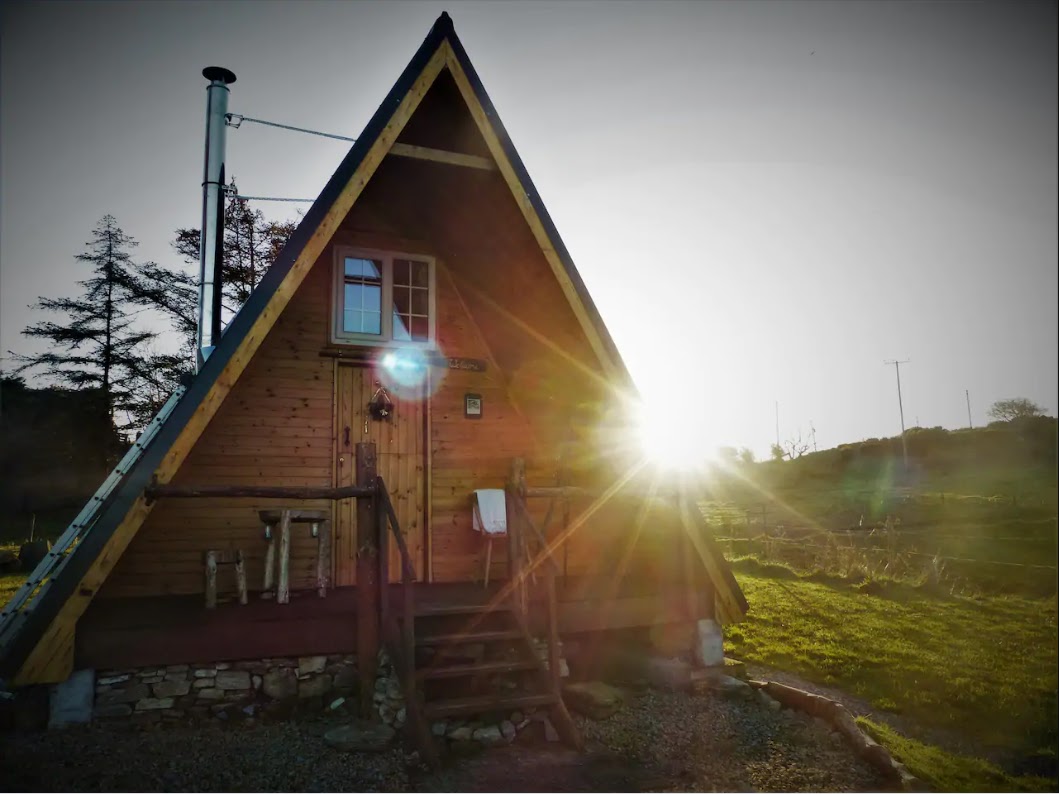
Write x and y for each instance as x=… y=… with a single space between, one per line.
x=255 y=681
x=202 y=683
x=724 y=685
x=8 y=561
x=205 y=672
x=532 y=733
x=314 y=687
x=116 y=710
x=402 y=715
x=127 y=695
x=309 y=665
x=32 y=552
x=550 y=734
x=210 y=694
x=507 y=729
x=709 y=644
x=222 y=665
x=336 y=704
x=176 y=668
x=345 y=677
x=151 y=679
x=393 y=690
x=736 y=669
x=668 y=673
x=387 y=714
x=517 y=717
x=593 y=699
x=461 y=734
x=439 y=728
x=168 y=689
x=360 y=736
x=71 y=700
x=233 y=679
x=280 y=684
x=154 y=704
x=490 y=736
x=112 y=679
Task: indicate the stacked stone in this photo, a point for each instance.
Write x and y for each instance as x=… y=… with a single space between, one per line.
x=388 y=697
x=222 y=690
x=540 y=647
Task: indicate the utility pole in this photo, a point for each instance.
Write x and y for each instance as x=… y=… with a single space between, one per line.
x=967 y=394
x=777 y=423
x=812 y=431
x=901 y=408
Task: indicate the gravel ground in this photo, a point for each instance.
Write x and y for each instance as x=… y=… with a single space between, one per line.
x=658 y=742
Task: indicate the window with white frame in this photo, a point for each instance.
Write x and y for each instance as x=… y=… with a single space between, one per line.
x=383 y=298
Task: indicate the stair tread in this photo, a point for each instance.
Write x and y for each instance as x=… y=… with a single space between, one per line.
x=482 y=703
x=465 y=638
x=438 y=610
x=457 y=670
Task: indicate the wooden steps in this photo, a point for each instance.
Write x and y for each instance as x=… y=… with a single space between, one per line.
x=468 y=638
x=445 y=610
x=479 y=668
x=482 y=704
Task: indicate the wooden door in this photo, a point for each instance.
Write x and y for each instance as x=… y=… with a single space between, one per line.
x=401 y=459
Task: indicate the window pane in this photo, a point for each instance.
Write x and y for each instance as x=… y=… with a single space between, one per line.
x=420 y=274
x=371 y=323
x=353 y=294
x=351 y=321
x=400 y=329
x=400 y=271
x=368 y=269
x=420 y=302
x=420 y=329
x=401 y=300
x=371 y=298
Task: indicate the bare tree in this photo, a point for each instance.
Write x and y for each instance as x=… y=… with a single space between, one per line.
x=1014 y=408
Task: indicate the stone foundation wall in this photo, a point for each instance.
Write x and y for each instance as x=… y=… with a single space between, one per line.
x=225 y=690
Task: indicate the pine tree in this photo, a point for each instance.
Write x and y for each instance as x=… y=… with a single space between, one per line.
x=97 y=347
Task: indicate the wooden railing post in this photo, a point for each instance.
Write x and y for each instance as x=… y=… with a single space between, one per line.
x=515 y=538
x=367 y=578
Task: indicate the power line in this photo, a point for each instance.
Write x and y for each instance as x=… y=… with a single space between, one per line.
x=269 y=198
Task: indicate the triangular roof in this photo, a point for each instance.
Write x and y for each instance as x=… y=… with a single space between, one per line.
x=45 y=632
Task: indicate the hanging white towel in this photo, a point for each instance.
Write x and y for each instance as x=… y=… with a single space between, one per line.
x=489 y=514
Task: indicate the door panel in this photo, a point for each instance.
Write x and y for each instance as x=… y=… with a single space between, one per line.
x=401 y=456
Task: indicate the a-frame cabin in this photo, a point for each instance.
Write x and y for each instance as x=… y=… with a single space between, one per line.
x=426 y=306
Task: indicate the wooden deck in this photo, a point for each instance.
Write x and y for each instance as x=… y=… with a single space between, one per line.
x=139 y=632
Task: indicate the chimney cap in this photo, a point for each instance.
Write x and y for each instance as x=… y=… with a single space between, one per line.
x=212 y=73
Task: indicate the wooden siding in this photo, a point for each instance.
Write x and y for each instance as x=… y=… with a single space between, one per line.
x=275 y=428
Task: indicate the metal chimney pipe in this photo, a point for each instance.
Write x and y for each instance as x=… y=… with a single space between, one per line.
x=212 y=237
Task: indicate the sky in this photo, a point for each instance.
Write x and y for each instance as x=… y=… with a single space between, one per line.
x=766 y=200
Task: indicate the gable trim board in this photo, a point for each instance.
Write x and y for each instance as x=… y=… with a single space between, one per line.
x=42 y=649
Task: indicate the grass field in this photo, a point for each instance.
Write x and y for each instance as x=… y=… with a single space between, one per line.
x=982 y=667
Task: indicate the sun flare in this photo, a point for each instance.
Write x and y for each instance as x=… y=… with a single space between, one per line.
x=672 y=437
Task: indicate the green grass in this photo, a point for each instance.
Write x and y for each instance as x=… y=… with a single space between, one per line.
x=984 y=667
x=945 y=771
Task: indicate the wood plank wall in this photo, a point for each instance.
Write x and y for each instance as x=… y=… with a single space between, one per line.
x=275 y=428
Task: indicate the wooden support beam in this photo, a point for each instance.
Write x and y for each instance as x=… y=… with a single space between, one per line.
x=442 y=156
x=731 y=606
x=367 y=579
x=283 y=587
x=255 y=492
